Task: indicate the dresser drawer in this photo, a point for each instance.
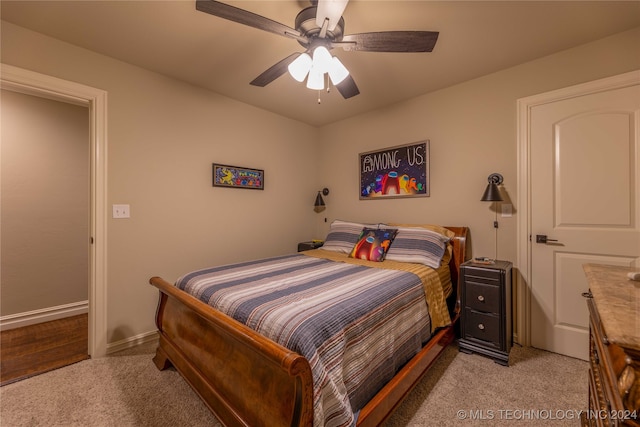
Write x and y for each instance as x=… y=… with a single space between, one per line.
x=482 y=326
x=482 y=296
x=614 y=387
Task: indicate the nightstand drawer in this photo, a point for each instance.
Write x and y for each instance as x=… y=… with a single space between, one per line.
x=482 y=273
x=482 y=297
x=482 y=326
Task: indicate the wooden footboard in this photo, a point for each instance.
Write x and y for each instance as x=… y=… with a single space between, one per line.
x=249 y=380
x=244 y=378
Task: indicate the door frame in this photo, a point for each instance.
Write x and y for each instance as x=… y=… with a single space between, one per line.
x=523 y=237
x=36 y=84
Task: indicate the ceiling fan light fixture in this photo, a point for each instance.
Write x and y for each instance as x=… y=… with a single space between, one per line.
x=319 y=28
x=315 y=80
x=337 y=72
x=300 y=67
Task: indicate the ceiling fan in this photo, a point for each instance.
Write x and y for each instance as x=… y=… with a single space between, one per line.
x=320 y=28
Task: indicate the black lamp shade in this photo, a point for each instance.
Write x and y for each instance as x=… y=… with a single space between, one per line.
x=492 y=193
x=319 y=205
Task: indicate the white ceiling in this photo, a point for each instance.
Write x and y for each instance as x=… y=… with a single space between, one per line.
x=476 y=38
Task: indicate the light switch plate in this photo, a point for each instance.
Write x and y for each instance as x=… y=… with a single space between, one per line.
x=121 y=211
x=507 y=210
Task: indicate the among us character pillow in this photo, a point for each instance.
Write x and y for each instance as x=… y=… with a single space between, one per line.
x=343 y=235
x=373 y=244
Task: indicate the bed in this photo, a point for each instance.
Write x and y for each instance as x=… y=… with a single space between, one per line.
x=247 y=378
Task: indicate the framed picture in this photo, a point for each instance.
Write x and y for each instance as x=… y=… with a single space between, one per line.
x=395 y=172
x=237 y=177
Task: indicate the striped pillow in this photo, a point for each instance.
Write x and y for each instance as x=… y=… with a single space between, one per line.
x=418 y=245
x=343 y=235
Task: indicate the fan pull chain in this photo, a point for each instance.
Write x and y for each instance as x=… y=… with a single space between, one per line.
x=326 y=77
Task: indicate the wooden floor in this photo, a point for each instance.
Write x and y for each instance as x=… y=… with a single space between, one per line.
x=35 y=349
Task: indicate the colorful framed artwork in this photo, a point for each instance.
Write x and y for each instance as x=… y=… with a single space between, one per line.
x=237 y=177
x=396 y=172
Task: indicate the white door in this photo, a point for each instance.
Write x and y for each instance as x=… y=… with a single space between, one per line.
x=584 y=187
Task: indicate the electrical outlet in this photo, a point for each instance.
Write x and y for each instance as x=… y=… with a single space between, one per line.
x=121 y=211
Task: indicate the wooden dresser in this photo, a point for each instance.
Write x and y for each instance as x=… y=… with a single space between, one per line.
x=614 y=324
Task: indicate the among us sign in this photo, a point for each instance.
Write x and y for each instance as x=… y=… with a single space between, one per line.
x=395 y=172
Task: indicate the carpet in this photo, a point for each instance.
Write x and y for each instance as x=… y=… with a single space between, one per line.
x=126 y=389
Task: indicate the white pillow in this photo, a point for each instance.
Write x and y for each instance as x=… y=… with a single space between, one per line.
x=418 y=245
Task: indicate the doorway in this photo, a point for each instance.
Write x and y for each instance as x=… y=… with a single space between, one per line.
x=579 y=175
x=44 y=233
x=31 y=83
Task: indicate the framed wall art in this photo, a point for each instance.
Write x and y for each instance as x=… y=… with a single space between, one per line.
x=237 y=177
x=395 y=172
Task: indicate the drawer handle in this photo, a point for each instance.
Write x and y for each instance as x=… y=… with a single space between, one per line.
x=480 y=298
x=481 y=326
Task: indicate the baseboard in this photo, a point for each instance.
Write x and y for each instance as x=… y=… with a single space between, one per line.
x=42 y=315
x=132 y=342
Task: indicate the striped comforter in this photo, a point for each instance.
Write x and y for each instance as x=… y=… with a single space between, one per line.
x=355 y=324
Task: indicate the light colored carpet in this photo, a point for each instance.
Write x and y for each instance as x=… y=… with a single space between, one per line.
x=126 y=389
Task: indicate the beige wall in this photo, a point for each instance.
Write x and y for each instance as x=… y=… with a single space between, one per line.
x=45 y=203
x=472 y=129
x=163 y=136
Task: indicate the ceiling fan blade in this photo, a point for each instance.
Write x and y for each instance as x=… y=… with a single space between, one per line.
x=348 y=88
x=390 y=41
x=245 y=17
x=331 y=10
x=274 y=71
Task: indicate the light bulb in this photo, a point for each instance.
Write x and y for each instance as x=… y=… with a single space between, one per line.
x=315 y=80
x=337 y=72
x=321 y=59
x=300 y=67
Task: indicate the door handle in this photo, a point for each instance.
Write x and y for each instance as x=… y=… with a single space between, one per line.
x=542 y=238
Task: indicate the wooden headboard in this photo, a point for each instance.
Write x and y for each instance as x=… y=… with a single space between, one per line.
x=460 y=254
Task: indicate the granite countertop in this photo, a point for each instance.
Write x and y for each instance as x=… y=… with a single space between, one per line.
x=618 y=301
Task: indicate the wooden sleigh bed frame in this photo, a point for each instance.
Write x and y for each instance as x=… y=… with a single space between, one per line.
x=248 y=380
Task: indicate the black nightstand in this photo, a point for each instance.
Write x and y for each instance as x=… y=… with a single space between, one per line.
x=485 y=325
x=306 y=246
